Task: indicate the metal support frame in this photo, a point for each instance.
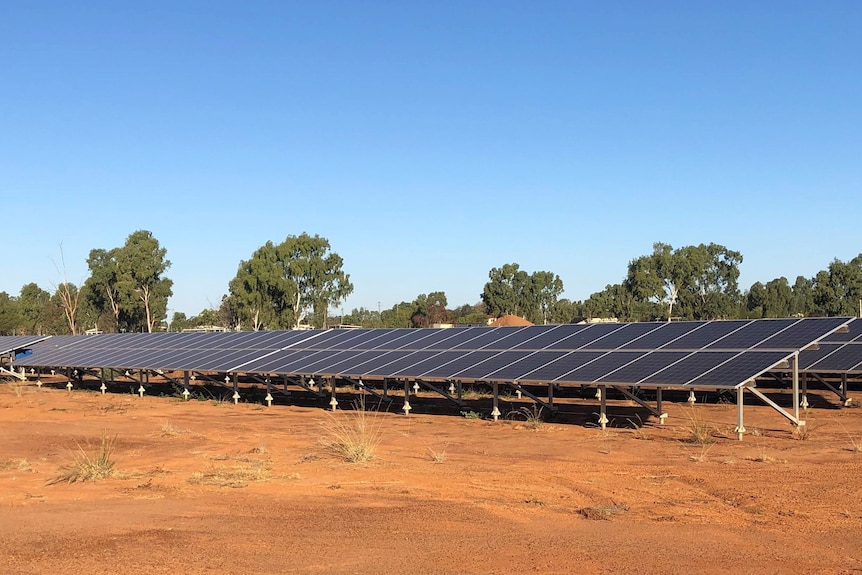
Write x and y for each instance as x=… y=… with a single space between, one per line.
x=795 y=367
x=658 y=405
x=803 y=383
x=406 y=407
x=495 y=413
x=441 y=391
x=547 y=404
x=656 y=412
x=603 y=406
x=361 y=385
x=794 y=419
x=840 y=392
x=740 y=405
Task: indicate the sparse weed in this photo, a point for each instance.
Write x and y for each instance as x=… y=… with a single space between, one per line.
x=761 y=457
x=168 y=430
x=602 y=512
x=238 y=476
x=16 y=386
x=89 y=464
x=437 y=455
x=531 y=415
x=640 y=432
x=355 y=435
x=15 y=465
x=699 y=430
x=471 y=414
x=802 y=432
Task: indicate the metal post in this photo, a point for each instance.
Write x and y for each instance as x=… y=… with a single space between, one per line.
x=603 y=411
x=662 y=415
x=333 y=402
x=740 y=402
x=495 y=413
x=795 y=367
x=385 y=387
x=846 y=399
x=551 y=395
x=186 y=384
x=406 y=409
x=804 y=383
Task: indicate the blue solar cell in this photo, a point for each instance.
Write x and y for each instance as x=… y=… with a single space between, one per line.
x=562 y=365
x=628 y=333
x=751 y=334
x=448 y=363
x=741 y=369
x=643 y=367
x=594 y=370
x=551 y=336
x=524 y=366
x=485 y=362
x=667 y=333
x=688 y=368
x=832 y=357
x=801 y=333
x=591 y=333
x=710 y=332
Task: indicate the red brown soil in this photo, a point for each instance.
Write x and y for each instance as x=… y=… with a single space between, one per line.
x=510 y=320
x=504 y=498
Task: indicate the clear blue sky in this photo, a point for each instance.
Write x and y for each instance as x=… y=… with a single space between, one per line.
x=429 y=141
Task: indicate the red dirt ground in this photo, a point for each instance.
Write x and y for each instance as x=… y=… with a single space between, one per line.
x=501 y=497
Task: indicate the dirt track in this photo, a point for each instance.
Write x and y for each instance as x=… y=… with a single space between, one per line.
x=501 y=497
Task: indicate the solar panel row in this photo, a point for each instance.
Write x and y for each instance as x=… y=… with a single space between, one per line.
x=714 y=353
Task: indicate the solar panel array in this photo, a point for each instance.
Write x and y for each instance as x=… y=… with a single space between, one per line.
x=10 y=343
x=693 y=354
x=838 y=352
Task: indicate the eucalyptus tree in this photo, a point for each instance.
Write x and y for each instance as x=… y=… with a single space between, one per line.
x=10 y=316
x=128 y=283
x=511 y=290
x=506 y=290
x=545 y=289
x=802 y=302
x=280 y=285
x=695 y=282
x=33 y=304
x=838 y=290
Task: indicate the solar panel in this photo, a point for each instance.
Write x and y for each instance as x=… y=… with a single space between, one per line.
x=644 y=366
x=741 y=368
x=651 y=353
x=710 y=332
x=602 y=365
x=833 y=357
x=628 y=334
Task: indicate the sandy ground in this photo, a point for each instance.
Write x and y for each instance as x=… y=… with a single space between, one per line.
x=216 y=488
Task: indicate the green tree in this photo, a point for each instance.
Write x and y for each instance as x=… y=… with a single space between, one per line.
x=802 y=303
x=283 y=284
x=104 y=286
x=505 y=291
x=838 y=290
x=33 y=303
x=545 y=290
x=10 y=316
x=142 y=266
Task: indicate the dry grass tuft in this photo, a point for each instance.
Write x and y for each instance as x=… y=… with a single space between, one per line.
x=531 y=415
x=90 y=464
x=602 y=512
x=354 y=436
x=802 y=432
x=237 y=476
x=16 y=386
x=168 y=430
x=15 y=465
x=699 y=431
x=437 y=455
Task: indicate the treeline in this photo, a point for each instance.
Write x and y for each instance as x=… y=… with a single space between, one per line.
x=301 y=282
